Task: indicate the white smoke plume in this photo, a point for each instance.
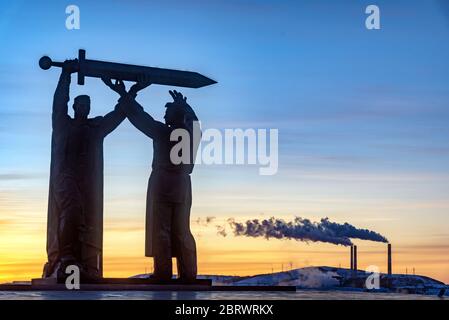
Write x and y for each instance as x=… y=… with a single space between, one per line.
x=302 y=230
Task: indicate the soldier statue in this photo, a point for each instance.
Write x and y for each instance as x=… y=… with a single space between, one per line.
x=75 y=202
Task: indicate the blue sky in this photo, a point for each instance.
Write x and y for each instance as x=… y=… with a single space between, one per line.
x=362 y=115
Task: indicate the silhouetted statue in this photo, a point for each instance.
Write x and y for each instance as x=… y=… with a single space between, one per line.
x=75 y=205
x=169 y=195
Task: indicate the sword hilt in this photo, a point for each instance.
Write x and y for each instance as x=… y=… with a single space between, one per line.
x=46 y=63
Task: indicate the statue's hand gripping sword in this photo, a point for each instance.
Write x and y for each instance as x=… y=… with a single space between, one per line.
x=99 y=69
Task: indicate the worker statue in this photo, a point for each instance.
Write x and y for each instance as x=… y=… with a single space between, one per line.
x=169 y=195
x=75 y=204
x=75 y=201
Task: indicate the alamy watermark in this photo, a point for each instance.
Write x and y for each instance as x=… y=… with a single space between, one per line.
x=372 y=282
x=72 y=22
x=72 y=282
x=372 y=22
x=228 y=147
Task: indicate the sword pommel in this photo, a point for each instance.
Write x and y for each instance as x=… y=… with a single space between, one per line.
x=45 y=62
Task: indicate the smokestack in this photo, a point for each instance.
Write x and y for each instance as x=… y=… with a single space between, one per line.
x=355 y=258
x=389 y=259
x=352 y=257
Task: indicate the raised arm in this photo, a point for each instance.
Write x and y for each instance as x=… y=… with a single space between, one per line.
x=140 y=119
x=61 y=96
x=133 y=110
x=112 y=120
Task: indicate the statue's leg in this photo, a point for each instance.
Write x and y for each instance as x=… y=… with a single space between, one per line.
x=162 y=217
x=184 y=242
x=70 y=219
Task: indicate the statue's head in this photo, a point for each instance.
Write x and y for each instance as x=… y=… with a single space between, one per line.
x=174 y=114
x=179 y=115
x=81 y=106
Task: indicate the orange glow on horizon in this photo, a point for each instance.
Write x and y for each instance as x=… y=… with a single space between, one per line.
x=23 y=256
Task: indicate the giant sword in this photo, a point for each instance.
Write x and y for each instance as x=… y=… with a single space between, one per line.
x=99 y=69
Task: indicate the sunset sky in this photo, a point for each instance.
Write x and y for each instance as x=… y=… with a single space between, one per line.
x=362 y=117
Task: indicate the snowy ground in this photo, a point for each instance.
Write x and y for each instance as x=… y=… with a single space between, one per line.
x=329 y=278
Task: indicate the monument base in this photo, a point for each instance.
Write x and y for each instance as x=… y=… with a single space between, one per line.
x=131 y=284
x=121 y=281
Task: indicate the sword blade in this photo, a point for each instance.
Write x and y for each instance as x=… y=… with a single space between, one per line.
x=129 y=72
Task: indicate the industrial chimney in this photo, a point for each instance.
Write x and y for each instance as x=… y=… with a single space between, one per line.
x=389 y=259
x=352 y=257
x=355 y=258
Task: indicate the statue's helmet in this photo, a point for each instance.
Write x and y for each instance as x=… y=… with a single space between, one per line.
x=81 y=105
x=180 y=114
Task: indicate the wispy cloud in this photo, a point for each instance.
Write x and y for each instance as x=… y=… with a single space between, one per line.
x=21 y=176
